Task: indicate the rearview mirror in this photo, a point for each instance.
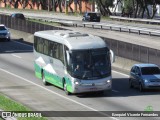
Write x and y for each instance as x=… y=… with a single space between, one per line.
x=112 y=56
x=68 y=57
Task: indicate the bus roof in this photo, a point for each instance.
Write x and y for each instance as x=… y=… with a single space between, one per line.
x=72 y=39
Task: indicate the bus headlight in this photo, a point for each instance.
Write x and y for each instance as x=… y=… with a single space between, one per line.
x=77 y=82
x=108 y=81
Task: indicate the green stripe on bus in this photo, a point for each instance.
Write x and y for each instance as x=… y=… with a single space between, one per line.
x=37 y=71
x=53 y=79
x=69 y=85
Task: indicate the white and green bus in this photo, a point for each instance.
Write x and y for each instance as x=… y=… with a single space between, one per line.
x=73 y=61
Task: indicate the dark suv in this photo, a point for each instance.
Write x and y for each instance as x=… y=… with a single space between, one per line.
x=18 y=15
x=91 y=17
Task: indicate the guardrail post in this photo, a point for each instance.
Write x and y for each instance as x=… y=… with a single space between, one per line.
x=138 y=32
x=101 y=26
x=129 y=30
x=84 y=25
x=149 y=33
x=92 y=26
x=110 y=28
x=120 y=29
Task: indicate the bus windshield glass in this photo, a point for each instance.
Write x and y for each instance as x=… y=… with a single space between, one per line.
x=90 y=64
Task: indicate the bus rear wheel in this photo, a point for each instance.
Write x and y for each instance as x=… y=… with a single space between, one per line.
x=65 y=89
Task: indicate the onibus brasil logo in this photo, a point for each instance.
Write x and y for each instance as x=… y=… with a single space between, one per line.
x=149 y=108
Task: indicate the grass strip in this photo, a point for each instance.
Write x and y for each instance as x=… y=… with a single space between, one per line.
x=43 y=22
x=8 y=104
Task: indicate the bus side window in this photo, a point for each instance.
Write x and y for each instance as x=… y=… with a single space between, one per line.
x=45 y=49
x=51 y=49
x=35 y=43
x=40 y=44
x=56 y=46
x=56 y=51
x=60 y=52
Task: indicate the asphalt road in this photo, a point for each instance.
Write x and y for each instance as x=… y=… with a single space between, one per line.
x=17 y=80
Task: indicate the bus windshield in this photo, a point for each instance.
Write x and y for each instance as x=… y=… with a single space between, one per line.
x=90 y=64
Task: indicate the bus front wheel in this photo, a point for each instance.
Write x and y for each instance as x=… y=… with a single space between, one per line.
x=65 y=89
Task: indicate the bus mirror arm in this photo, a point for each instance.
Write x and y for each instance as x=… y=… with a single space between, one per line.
x=68 y=57
x=112 y=56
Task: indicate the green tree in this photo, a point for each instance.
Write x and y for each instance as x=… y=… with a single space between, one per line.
x=103 y=6
x=128 y=7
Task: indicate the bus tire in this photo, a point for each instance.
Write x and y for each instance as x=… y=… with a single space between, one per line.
x=43 y=79
x=65 y=89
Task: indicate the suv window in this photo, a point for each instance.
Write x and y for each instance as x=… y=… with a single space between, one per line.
x=138 y=70
x=92 y=14
x=18 y=15
x=150 y=70
x=133 y=70
x=2 y=28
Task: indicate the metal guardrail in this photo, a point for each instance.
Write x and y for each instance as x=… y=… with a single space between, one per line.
x=124 y=28
x=121 y=28
x=149 y=21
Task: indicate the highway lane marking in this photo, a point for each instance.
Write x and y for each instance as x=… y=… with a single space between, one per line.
x=57 y=94
x=22 y=43
x=16 y=56
x=11 y=51
x=121 y=74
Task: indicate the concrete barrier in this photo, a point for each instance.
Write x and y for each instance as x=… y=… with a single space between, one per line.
x=123 y=64
x=15 y=34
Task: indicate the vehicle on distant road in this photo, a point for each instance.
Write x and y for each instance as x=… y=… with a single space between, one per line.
x=73 y=61
x=145 y=76
x=18 y=15
x=4 y=32
x=91 y=17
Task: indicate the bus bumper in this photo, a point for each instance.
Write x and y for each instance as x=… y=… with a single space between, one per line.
x=92 y=88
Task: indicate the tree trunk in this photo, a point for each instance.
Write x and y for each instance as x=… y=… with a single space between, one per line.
x=103 y=7
x=75 y=6
x=54 y=6
x=154 y=11
x=16 y=4
x=143 y=10
x=80 y=6
x=70 y=2
x=59 y=4
x=136 y=9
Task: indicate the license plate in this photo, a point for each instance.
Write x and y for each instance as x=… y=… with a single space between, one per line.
x=93 y=88
x=2 y=36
